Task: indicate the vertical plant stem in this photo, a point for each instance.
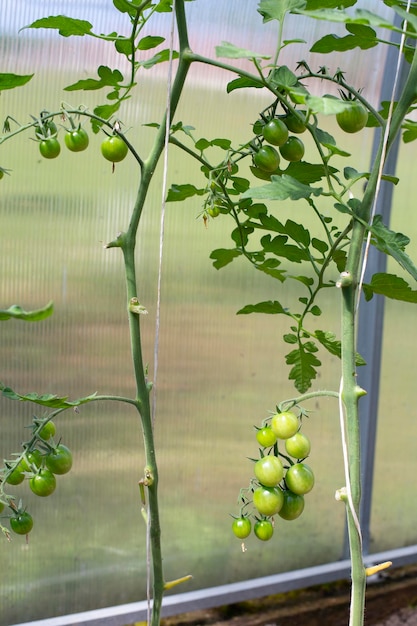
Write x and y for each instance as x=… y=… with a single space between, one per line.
x=127 y=242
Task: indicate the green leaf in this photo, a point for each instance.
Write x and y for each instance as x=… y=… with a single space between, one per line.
x=243 y=83
x=223 y=257
x=270 y=308
x=325 y=138
x=105 y=111
x=177 y=193
x=49 y=400
x=16 y=312
x=283 y=78
x=304 y=364
x=361 y=36
x=125 y=7
x=319 y=245
x=279 y=247
x=267 y=267
x=410 y=131
x=10 y=81
x=390 y=286
x=327 y=105
x=107 y=76
x=123 y=45
x=66 y=26
x=315 y=5
x=298 y=233
x=146 y=43
x=361 y=16
x=392 y=243
x=334 y=346
x=308 y=172
x=281 y=188
x=276 y=10
x=160 y=57
x=230 y=51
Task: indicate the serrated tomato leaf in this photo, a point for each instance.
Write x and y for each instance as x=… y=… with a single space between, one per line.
x=10 y=81
x=282 y=188
x=224 y=256
x=16 y=312
x=334 y=346
x=269 y=307
x=231 y=51
x=392 y=243
x=305 y=364
x=177 y=193
x=390 y=286
x=66 y=26
x=47 y=399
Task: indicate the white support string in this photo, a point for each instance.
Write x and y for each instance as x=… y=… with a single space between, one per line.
x=158 y=301
x=362 y=274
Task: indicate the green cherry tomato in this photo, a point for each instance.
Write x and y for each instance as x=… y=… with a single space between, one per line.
x=1 y=173
x=263 y=529
x=22 y=523
x=295 y=123
x=267 y=159
x=47 y=431
x=241 y=527
x=33 y=460
x=43 y=483
x=293 y=149
x=269 y=471
x=2 y=505
x=114 y=149
x=299 y=478
x=266 y=437
x=284 y=424
x=49 y=148
x=275 y=132
x=16 y=476
x=298 y=446
x=293 y=505
x=268 y=500
x=59 y=461
x=76 y=140
x=213 y=211
x=353 y=119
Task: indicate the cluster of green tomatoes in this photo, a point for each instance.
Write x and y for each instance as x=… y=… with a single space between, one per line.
x=40 y=462
x=76 y=139
x=281 y=478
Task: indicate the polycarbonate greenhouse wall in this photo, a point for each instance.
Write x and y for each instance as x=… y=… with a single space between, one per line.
x=219 y=374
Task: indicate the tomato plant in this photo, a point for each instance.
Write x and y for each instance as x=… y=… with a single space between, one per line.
x=284 y=424
x=49 y=148
x=275 y=132
x=43 y=483
x=242 y=527
x=269 y=471
x=76 y=140
x=299 y=479
x=266 y=159
x=114 y=149
x=59 y=460
x=21 y=523
x=263 y=529
x=353 y=119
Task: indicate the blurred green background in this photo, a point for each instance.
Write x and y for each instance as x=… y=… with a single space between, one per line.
x=219 y=374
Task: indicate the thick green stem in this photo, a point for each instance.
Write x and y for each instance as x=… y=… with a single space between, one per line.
x=350 y=391
x=127 y=241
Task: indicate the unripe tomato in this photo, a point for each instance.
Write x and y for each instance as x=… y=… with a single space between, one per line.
x=275 y=132
x=267 y=159
x=59 y=461
x=269 y=471
x=49 y=148
x=292 y=150
x=213 y=210
x=263 y=529
x=114 y=149
x=294 y=123
x=33 y=459
x=16 y=476
x=76 y=140
x=43 y=483
x=299 y=478
x=241 y=527
x=293 y=506
x=266 y=437
x=298 y=446
x=21 y=523
x=284 y=424
x=268 y=500
x=47 y=431
x=2 y=505
x=353 y=119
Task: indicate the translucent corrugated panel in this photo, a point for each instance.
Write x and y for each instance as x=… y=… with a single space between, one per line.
x=219 y=374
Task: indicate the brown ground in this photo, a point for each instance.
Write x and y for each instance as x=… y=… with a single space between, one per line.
x=392 y=601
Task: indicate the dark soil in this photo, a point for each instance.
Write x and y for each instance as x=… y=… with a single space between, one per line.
x=391 y=601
